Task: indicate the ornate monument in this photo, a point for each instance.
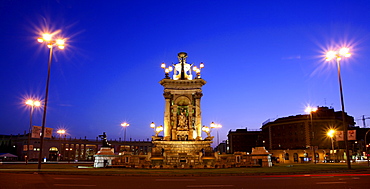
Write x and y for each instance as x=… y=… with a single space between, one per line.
x=182 y=144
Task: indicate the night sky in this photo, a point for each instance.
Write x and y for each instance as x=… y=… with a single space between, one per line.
x=263 y=60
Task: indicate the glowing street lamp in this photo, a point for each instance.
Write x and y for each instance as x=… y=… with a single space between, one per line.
x=310 y=110
x=217 y=126
x=31 y=103
x=152 y=125
x=330 y=134
x=50 y=42
x=124 y=125
x=338 y=55
x=166 y=70
x=158 y=130
x=197 y=70
x=61 y=132
x=207 y=130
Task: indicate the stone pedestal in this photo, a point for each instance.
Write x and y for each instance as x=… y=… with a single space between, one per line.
x=261 y=156
x=182 y=154
x=104 y=157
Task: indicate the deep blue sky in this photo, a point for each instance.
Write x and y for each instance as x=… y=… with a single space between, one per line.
x=263 y=59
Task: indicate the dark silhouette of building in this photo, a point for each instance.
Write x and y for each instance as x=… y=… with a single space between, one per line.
x=304 y=131
x=242 y=140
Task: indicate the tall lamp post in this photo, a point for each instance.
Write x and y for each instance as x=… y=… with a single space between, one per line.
x=330 y=134
x=338 y=55
x=310 y=110
x=217 y=126
x=32 y=104
x=50 y=42
x=366 y=145
x=124 y=125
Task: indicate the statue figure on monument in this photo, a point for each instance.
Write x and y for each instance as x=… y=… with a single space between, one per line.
x=104 y=140
x=182 y=69
x=182 y=124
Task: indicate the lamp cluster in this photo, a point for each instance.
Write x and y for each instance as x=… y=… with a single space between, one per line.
x=343 y=52
x=124 y=124
x=197 y=70
x=48 y=38
x=157 y=130
x=208 y=130
x=310 y=109
x=166 y=70
x=170 y=68
x=33 y=103
x=215 y=125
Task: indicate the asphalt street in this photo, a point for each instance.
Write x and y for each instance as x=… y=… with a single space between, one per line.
x=327 y=181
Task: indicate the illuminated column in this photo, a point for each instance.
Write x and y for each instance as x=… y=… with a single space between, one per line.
x=84 y=152
x=167 y=116
x=192 y=120
x=198 y=117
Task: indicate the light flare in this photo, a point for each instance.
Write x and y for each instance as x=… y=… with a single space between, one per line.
x=331 y=133
x=159 y=129
x=61 y=131
x=310 y=109
x=47 y=36
x=331 y=55
x=125 y=124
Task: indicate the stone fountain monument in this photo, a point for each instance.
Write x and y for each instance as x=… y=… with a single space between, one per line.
x=182 y=144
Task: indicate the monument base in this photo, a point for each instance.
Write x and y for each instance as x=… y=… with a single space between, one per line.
x=182 y=154
x=104 y=157
x=261 y=156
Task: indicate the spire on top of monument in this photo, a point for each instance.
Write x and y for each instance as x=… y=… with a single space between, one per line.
x=182 y=70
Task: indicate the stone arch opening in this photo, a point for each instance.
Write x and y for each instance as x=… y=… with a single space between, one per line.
x=53 y=153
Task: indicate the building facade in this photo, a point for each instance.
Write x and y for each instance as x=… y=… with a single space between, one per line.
x=66 y=149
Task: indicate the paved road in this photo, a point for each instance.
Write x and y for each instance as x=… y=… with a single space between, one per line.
x=327 y=181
